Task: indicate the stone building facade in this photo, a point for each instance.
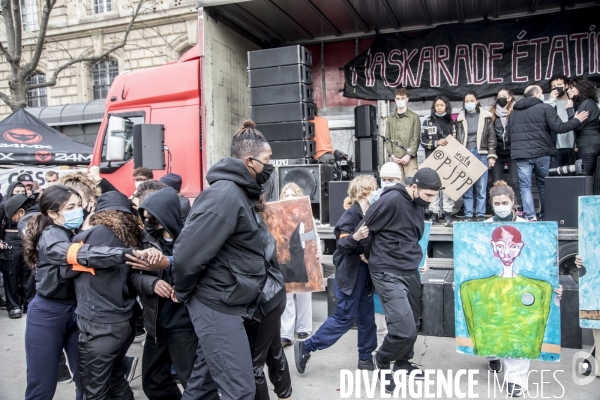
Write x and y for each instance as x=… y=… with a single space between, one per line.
x=163 y=31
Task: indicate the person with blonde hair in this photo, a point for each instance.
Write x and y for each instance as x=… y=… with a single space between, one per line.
x=353 y=286
x=87 y=189
x=298 y=315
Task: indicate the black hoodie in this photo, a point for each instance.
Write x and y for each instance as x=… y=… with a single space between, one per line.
x=220 y=254
x=396 y=225
x=159 y=312
x=529 y=128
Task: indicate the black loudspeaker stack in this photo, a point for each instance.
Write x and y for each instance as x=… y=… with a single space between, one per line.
x=282 y=101
x=562 y=196
x=366 y=151
x=148 y=146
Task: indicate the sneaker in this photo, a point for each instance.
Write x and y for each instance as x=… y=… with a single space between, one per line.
x=300 y=356
x=481 y=218
x=377 y=367
x=447 y=219
x=514 y=390
x=303 y=335
x=15 y=313
x=409 y=367
x=495 y=366
x=130 y=366
x=286 y=342
x=532 y=219
x=434 y=218
x=468 y=219
x=366 y=364
x=64 y=375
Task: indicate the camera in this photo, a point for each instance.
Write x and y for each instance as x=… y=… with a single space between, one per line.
x=575 y=169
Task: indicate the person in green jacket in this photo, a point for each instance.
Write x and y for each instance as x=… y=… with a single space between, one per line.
x=404 y=128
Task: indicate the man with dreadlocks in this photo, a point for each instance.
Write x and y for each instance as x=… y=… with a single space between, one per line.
x=220 y=263
x=104 y=302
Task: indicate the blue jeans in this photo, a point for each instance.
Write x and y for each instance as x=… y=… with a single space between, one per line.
x=540 y=166
x=477 y=190
x=50 y=328
x=357 y=306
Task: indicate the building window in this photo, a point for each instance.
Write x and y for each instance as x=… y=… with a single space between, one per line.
x=36 y=97
x=29 y=15
x=102 y=6
x=103 y=73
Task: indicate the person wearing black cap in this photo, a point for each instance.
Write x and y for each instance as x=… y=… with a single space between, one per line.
x=396 y=224
x=104 y=302
x=171 y=338
x=27 y=181
x=20 y=280
x=175 y=181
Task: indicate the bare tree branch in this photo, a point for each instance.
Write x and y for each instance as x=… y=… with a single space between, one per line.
x=39 y=46
x=5 y=98
x=95 y=58
x=10 y=28
x=16 y=9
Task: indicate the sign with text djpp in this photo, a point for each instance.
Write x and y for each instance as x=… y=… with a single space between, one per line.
x=457 y=167
x=482 y=56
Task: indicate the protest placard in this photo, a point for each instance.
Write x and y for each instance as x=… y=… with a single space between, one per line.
x=457 y=167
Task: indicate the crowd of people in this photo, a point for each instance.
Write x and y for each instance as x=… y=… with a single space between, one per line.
x=527 y=136
x=95 y=270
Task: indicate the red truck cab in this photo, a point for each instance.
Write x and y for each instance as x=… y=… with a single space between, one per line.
x=167 y=95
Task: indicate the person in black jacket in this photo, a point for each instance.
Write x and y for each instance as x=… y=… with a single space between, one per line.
x=171 y=339
x=104 y=302
x=220 y=265
x=353 y=286
x=175 y=181
x=51 y=324
x=434 y=131
x=587 y=135
x=529 y=131
x=396 y=225
x=501 y=110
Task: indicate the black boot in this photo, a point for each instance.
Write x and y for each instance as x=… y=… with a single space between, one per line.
x=434 y=218
x=447 y=219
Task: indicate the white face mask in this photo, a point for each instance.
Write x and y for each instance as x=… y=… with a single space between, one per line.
x=385 y=184
x=401 y=103
x=541 y=97
x=503 y=211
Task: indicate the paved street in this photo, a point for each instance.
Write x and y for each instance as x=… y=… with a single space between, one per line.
x=321 y=381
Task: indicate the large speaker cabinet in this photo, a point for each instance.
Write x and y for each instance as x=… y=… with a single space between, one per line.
x=286 y=112
x=293 y=149
x=365 y=121
x=562 y=198
x=299 y=130
x=148 y=146
x=279 y=56
x=313 y=180
x=296 y=92
x=366 y=154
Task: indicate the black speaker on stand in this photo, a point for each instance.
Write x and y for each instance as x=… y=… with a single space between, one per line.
x=148 y=146
x=365 y=121
x=313 y=179
x=366 y=154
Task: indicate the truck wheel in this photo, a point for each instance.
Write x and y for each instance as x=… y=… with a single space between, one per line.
x=566 y=259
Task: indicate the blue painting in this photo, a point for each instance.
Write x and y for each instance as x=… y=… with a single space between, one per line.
x=589 y=250
x=505 y=275
x=424 y=242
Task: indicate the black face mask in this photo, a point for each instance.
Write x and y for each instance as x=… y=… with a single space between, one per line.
x=502 y=102
x=153 y=229
x=560 y=90
x=263 y=176
x=420 y=202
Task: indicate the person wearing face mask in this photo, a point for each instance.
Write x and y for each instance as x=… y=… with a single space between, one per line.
x=475 y=131
x=529 y=131
x=565 y=142
x=436 y=128
x=353 y=286
x=142 y=174
x=587 y=134
x=220 y=264
x=501 y=110
x=86 y=188
x=19 y=281
x=104 y=302
x=403 y=127
x=171 y=338
x=51 y=324
x=396 y=224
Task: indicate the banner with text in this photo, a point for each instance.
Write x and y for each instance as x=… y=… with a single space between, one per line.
x=457 y=167
x=483 y=56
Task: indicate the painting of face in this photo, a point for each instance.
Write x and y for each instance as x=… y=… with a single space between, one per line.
x=507 y=247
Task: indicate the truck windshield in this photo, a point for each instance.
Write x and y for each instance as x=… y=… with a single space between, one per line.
x=131 y=119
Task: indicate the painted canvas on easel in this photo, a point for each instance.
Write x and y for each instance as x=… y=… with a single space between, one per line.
x=589 y=250
x=291 y=223
x=505 y=275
